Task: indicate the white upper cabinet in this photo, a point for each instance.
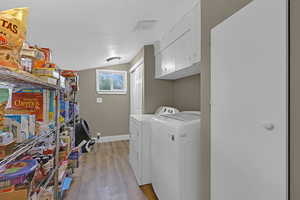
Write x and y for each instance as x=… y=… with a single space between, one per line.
x=178 y=54
x=196 y=56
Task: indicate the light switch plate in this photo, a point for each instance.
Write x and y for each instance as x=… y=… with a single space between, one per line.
x=99 y=100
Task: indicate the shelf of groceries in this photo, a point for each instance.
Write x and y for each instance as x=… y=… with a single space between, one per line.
x=20 y=78
x=38 y=115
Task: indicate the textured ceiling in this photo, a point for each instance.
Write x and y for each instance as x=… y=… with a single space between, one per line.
x=83 y=33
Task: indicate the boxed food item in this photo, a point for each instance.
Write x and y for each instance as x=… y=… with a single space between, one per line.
x=14 y=195
x=52 y=105
x=26 y=64
x=35 y=101
x=19 y=126
x=49 y=80
x=62 y=82
x=12 y=35
x=63 y=155
x=69 y=73
x=43 y=60
x=49 y=72
x=73 y=159
x=67 y=111
x=7 y=149
x=62 y=109
x=68 y=141
x=47 y=53
x=31 y=125
x=31 y=52
x=32 y=57
x=6 y=138
x=4 y=97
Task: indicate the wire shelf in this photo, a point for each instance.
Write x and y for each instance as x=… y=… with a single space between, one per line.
x=44 y=184
x=24 y=147
x=23 y=79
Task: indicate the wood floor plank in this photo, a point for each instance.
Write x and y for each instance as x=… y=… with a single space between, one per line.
x=105 y=174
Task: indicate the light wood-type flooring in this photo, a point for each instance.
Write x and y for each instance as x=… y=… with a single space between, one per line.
x=105 y=174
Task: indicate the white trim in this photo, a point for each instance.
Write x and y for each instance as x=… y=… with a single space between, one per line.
x=114 y=138
x=122 y=72
x=136 y=65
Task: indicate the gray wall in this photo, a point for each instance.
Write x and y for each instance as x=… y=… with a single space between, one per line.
x=295 y=99
x=212 y=13
x=166 y=92
x=156 y=92
x=186 y=93
x=110 y=117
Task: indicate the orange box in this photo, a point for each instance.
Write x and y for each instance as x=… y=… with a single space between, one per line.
x=63 y=155
x=14 y=195
x=47 y=53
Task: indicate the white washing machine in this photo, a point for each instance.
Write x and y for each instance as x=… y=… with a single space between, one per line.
x=140 y=143
x=139 y=147
x=175 y=149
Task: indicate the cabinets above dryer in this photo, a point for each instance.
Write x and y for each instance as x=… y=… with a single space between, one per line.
x=178 y=52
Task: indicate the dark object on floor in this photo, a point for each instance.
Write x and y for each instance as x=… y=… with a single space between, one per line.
x=83 y=135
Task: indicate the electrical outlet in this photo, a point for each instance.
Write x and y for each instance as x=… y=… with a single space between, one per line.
x=98 y=137
x=99 y=100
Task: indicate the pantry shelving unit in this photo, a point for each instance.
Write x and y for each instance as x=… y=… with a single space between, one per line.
x=14 y=79
x=23 y=79
x=71 y=122
x=25 y=147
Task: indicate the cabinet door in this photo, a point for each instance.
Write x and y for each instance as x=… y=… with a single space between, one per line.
x=158 y=65
x=183 y=50
x=181 y=46
x=249 y=130
x=196 y=32
x=168 y=60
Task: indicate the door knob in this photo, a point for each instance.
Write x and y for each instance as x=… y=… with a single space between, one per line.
x=172 y=136
x=269 y=126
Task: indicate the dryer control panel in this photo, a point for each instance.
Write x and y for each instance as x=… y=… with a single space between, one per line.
x=164 y=110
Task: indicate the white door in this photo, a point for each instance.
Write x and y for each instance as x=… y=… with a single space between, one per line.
x=249 y=104
x=136 y=90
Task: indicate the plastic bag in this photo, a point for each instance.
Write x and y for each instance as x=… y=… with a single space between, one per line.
x=13 y=28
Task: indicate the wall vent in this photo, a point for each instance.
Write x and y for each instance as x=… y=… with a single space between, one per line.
x=145 y=25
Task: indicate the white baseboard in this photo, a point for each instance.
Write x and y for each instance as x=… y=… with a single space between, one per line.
x=114 y=138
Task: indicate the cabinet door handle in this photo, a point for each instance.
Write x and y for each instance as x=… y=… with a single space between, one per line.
x=172 y=137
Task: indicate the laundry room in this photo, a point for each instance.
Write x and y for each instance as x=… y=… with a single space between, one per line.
x=94 y=105
x=149 y=100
